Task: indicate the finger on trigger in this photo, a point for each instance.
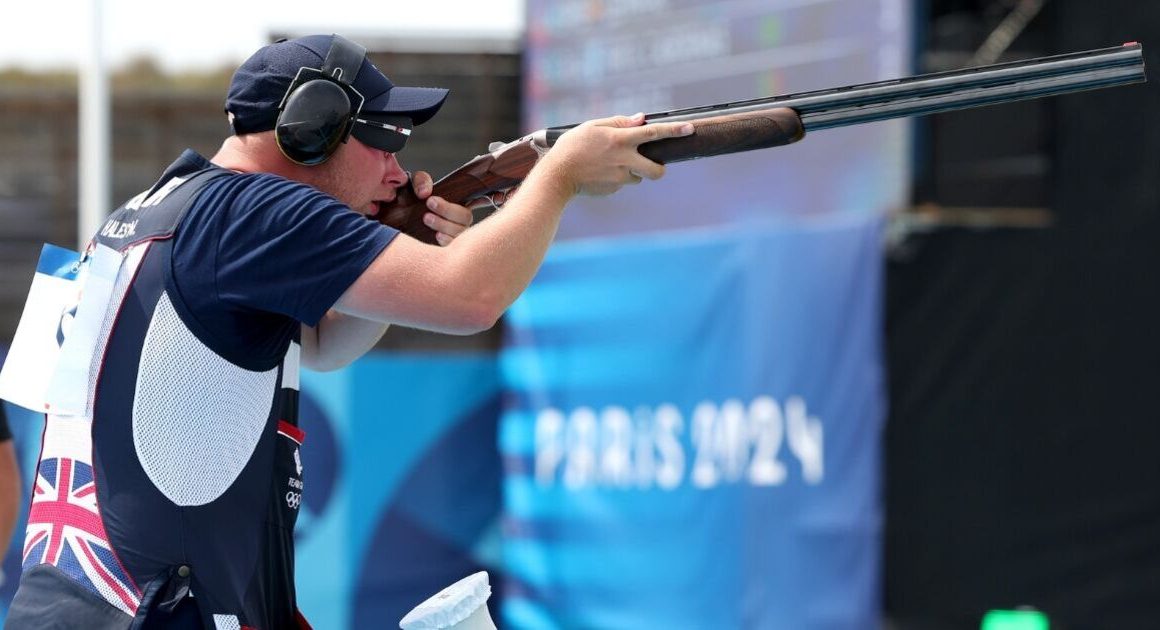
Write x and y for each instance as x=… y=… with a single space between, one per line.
x=454 y=213
x=442 y=224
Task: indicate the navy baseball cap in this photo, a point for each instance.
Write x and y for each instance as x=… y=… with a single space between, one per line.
x=259 y=85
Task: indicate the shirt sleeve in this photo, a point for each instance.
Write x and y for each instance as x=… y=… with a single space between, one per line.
x=287 y=248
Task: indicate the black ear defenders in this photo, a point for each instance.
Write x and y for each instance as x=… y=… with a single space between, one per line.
x=321 y=105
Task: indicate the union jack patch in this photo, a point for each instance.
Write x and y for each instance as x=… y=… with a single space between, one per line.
x=65 y=530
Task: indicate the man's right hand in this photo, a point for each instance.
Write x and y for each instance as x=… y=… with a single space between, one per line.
x=600 y=156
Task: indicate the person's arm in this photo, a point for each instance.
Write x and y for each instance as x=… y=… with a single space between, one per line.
x=339 y=339
x=464 y=287
x=9 y=491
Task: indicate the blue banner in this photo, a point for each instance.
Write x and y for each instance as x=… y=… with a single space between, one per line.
x=691 y=436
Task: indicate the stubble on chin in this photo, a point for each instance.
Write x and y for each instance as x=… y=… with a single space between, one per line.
x=330 y=179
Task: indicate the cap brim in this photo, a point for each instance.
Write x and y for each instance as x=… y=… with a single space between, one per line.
x=417 y=103
x=385 y=139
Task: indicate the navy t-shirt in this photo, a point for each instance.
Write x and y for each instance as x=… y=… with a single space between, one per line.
x=257 y=254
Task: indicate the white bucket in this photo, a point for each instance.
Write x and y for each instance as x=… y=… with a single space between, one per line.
x=461 y=606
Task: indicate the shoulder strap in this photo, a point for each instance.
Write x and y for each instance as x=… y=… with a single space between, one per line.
x=155 y=213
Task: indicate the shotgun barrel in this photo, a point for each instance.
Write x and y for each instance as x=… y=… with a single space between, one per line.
x=937 y=92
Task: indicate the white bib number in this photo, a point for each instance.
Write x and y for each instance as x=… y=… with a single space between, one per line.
x=49 y=367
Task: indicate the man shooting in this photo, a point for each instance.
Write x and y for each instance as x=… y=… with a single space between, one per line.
x=171 y=501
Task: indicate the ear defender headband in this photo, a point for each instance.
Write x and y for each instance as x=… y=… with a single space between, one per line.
x=320 y=106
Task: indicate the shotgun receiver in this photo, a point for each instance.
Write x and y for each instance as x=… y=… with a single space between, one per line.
x=780 y=120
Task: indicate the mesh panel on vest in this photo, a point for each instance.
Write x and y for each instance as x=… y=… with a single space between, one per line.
x=226 y=622
x=196 y=417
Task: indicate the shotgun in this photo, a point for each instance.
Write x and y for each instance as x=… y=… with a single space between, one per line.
x=776 y=121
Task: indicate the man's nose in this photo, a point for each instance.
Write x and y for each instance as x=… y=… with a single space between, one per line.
x=395 y=175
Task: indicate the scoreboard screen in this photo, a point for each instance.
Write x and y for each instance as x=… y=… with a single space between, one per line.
x=592 y=58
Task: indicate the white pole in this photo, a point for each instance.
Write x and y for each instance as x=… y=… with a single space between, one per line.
x=93 y=162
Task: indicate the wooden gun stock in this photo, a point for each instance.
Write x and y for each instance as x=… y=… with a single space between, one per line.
x=484 y=174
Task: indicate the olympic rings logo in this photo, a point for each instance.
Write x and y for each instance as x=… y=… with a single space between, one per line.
x=293 y=499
